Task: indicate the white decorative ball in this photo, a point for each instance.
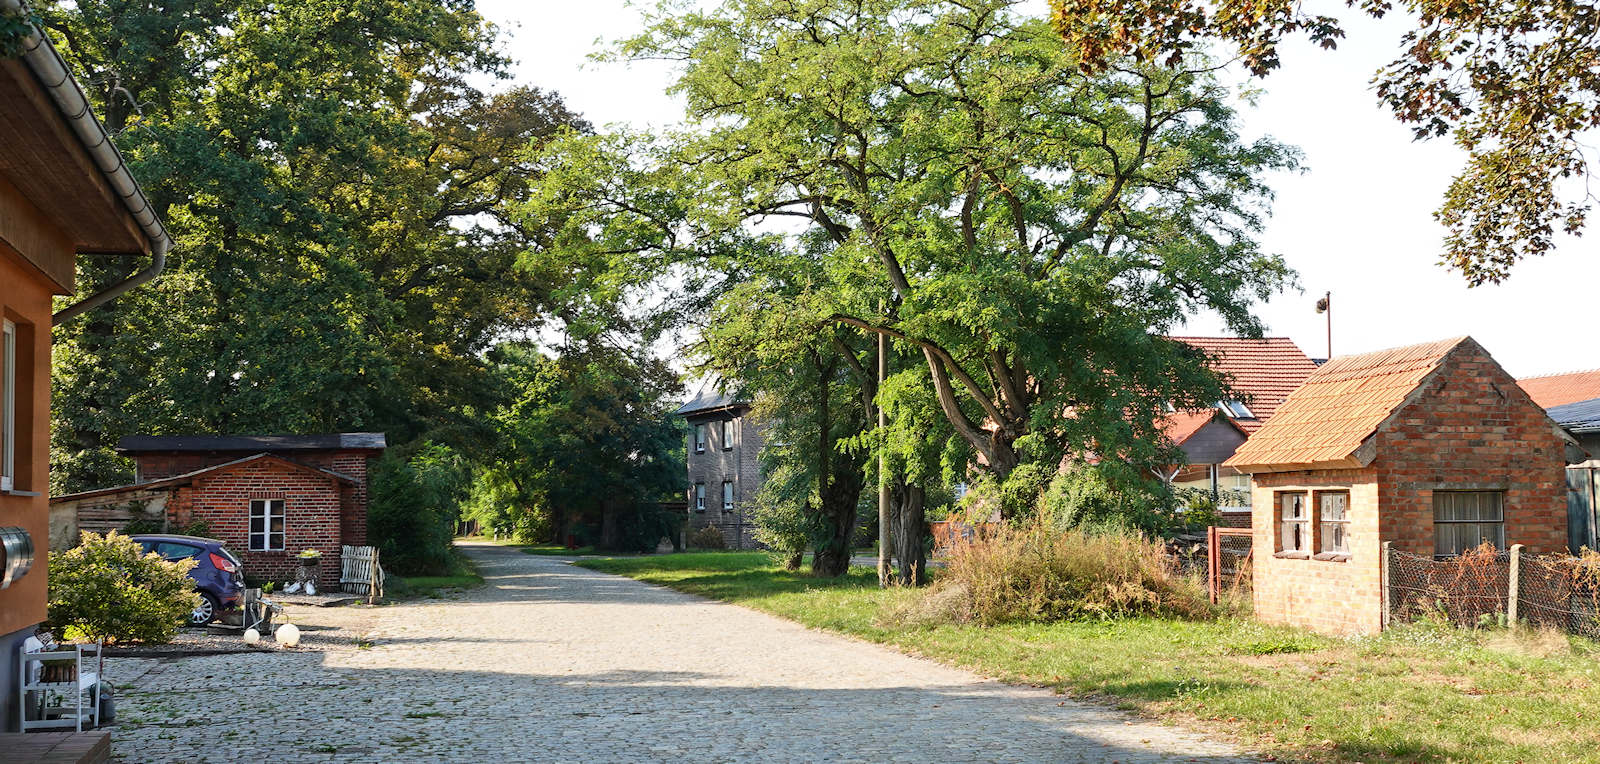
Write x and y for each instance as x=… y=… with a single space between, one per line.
x=287 y=635
x=251 y=636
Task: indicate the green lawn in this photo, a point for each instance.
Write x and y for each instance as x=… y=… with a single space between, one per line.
x=1414 y=694
x=557 y=550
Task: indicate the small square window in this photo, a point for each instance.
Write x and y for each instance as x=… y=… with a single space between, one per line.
x=1466 y=519
x=1333 y=508
x=267 y=527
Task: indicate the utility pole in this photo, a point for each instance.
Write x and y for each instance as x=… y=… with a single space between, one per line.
x=883 y=468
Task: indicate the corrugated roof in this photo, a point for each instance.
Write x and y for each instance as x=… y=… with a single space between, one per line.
x=1339 y=407
x=708 y=398
x=1561 y=389
x=1263 y=371
x=1581 y=416
x=134 y=444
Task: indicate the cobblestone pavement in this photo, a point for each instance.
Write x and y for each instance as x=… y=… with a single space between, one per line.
x=553 y=662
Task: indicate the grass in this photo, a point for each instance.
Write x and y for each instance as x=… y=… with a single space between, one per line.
x=558 y=550
x=1416 y=693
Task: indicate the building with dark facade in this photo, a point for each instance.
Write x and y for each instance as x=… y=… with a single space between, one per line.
x=724 y=449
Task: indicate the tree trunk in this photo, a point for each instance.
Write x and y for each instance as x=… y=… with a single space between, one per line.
x=792 y=562
x=910 y=530
x=832 y=558
x=608 y=525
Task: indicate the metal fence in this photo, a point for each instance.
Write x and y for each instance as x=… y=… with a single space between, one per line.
x=1228 y=560
x=1488 y=588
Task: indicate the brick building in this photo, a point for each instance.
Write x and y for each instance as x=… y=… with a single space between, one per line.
x=724 y=450
x=267 y=496
x=1431 y=447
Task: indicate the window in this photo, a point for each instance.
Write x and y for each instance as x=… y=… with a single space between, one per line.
x=1294 y=524
x=699 y=438
x=1465 y=519
x=1236 y=409
x=727 y=495
x=171 y=550
x=8 y=406
x=266 y=525
x=1333 y=509
x=699 y=497
x=727 y=434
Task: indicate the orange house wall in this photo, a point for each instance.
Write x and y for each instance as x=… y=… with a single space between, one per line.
x=25 y=299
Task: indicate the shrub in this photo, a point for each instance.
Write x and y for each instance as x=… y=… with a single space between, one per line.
x=1039 y=573
x=708 y=537
x=785 y=528
x=411 y=516
x=107 y=588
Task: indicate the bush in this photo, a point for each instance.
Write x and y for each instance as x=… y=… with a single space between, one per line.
x=1042 y=574
x=708 y=537
x=107 y=588
x=640 y=527
x=784 y=528
x=411 y=516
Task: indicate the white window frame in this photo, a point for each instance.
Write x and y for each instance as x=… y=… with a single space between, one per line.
x=727 y=434
x=699 y=497
x=8 y=406
x=1294 y=531
x=700 y=438
x=727 y=495
x=1331 y=527
x=266 y=534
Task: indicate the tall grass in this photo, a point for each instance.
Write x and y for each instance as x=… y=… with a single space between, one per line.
x=1038 y=573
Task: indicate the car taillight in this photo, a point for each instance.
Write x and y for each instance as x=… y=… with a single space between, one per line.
x=223 y=563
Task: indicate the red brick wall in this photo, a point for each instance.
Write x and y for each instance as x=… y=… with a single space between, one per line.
x=311 y=511
x=1473 y=428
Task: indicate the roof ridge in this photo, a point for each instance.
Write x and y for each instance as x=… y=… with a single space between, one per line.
x=1560 y=374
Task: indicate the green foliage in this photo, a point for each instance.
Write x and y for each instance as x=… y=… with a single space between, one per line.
x=1089 y=494
x=107 y=588
x=588 y=447
x=784 y=527
x=1025 y=233
x=1042 y=574
x=1512 y=83
x=336 y=182
x=707 y=537
x=412 y=510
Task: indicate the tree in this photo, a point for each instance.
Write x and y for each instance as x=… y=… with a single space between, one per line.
x=1032 y=231
x=1512 y=83
x=588 y=442
x=337 y=184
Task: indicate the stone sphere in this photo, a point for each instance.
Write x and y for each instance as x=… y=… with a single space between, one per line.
x=287 y=635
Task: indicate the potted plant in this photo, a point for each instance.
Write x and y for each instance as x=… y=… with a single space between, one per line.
x=305 y=579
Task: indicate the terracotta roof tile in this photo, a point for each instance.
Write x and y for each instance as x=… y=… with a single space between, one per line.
x=1332 y=414
x=1263 y=371
x=1560 y=389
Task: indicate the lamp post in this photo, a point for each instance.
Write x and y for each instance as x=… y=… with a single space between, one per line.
x=1325 y=307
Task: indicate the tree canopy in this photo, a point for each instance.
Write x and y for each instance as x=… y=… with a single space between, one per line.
x=1513 y=84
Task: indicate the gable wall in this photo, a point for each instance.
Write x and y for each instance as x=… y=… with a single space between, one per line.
x=741 y=464
x=1471 y=427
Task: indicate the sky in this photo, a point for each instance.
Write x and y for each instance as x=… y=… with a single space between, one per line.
x=1357 y=221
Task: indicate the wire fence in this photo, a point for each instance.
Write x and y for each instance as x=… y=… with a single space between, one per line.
x=1487 y=587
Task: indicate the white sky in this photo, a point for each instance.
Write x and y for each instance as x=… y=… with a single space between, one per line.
x=1358 y=222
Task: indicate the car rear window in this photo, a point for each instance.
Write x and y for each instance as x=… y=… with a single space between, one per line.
x=175 y=551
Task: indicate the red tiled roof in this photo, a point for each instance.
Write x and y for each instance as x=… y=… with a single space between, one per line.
x=1561 y=389
x=1184 y=424
x=1263 y=371
x=1332 y=414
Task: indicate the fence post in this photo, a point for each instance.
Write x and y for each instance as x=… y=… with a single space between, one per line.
x=1383 y=567
x=1514 y=594
x=1213 y=563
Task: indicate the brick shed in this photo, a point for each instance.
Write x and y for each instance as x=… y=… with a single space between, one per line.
x=1431 y=447
x=267 y=497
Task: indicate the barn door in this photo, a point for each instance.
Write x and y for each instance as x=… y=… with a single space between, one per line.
x=1580 y=508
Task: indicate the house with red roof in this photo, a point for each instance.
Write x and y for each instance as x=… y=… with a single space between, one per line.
x=1433 y=449
x=1551 y=390
x=1262 y=373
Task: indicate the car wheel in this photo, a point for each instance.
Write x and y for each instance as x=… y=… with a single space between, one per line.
x=205 y=612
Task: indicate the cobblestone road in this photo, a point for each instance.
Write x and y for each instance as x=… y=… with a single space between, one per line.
x=552 y=662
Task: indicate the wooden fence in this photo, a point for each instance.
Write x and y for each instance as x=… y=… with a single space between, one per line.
x=359 y=571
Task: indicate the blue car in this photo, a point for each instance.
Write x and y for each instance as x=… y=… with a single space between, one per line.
x=217 y=574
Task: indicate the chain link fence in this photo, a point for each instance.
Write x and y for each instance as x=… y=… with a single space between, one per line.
x=1487 y=587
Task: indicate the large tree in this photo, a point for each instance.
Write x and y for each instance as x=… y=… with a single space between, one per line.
x=1030 y=230
x=336 y=180
x=1513 y=83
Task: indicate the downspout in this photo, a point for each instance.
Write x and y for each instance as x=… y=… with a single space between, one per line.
x=41 y=57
